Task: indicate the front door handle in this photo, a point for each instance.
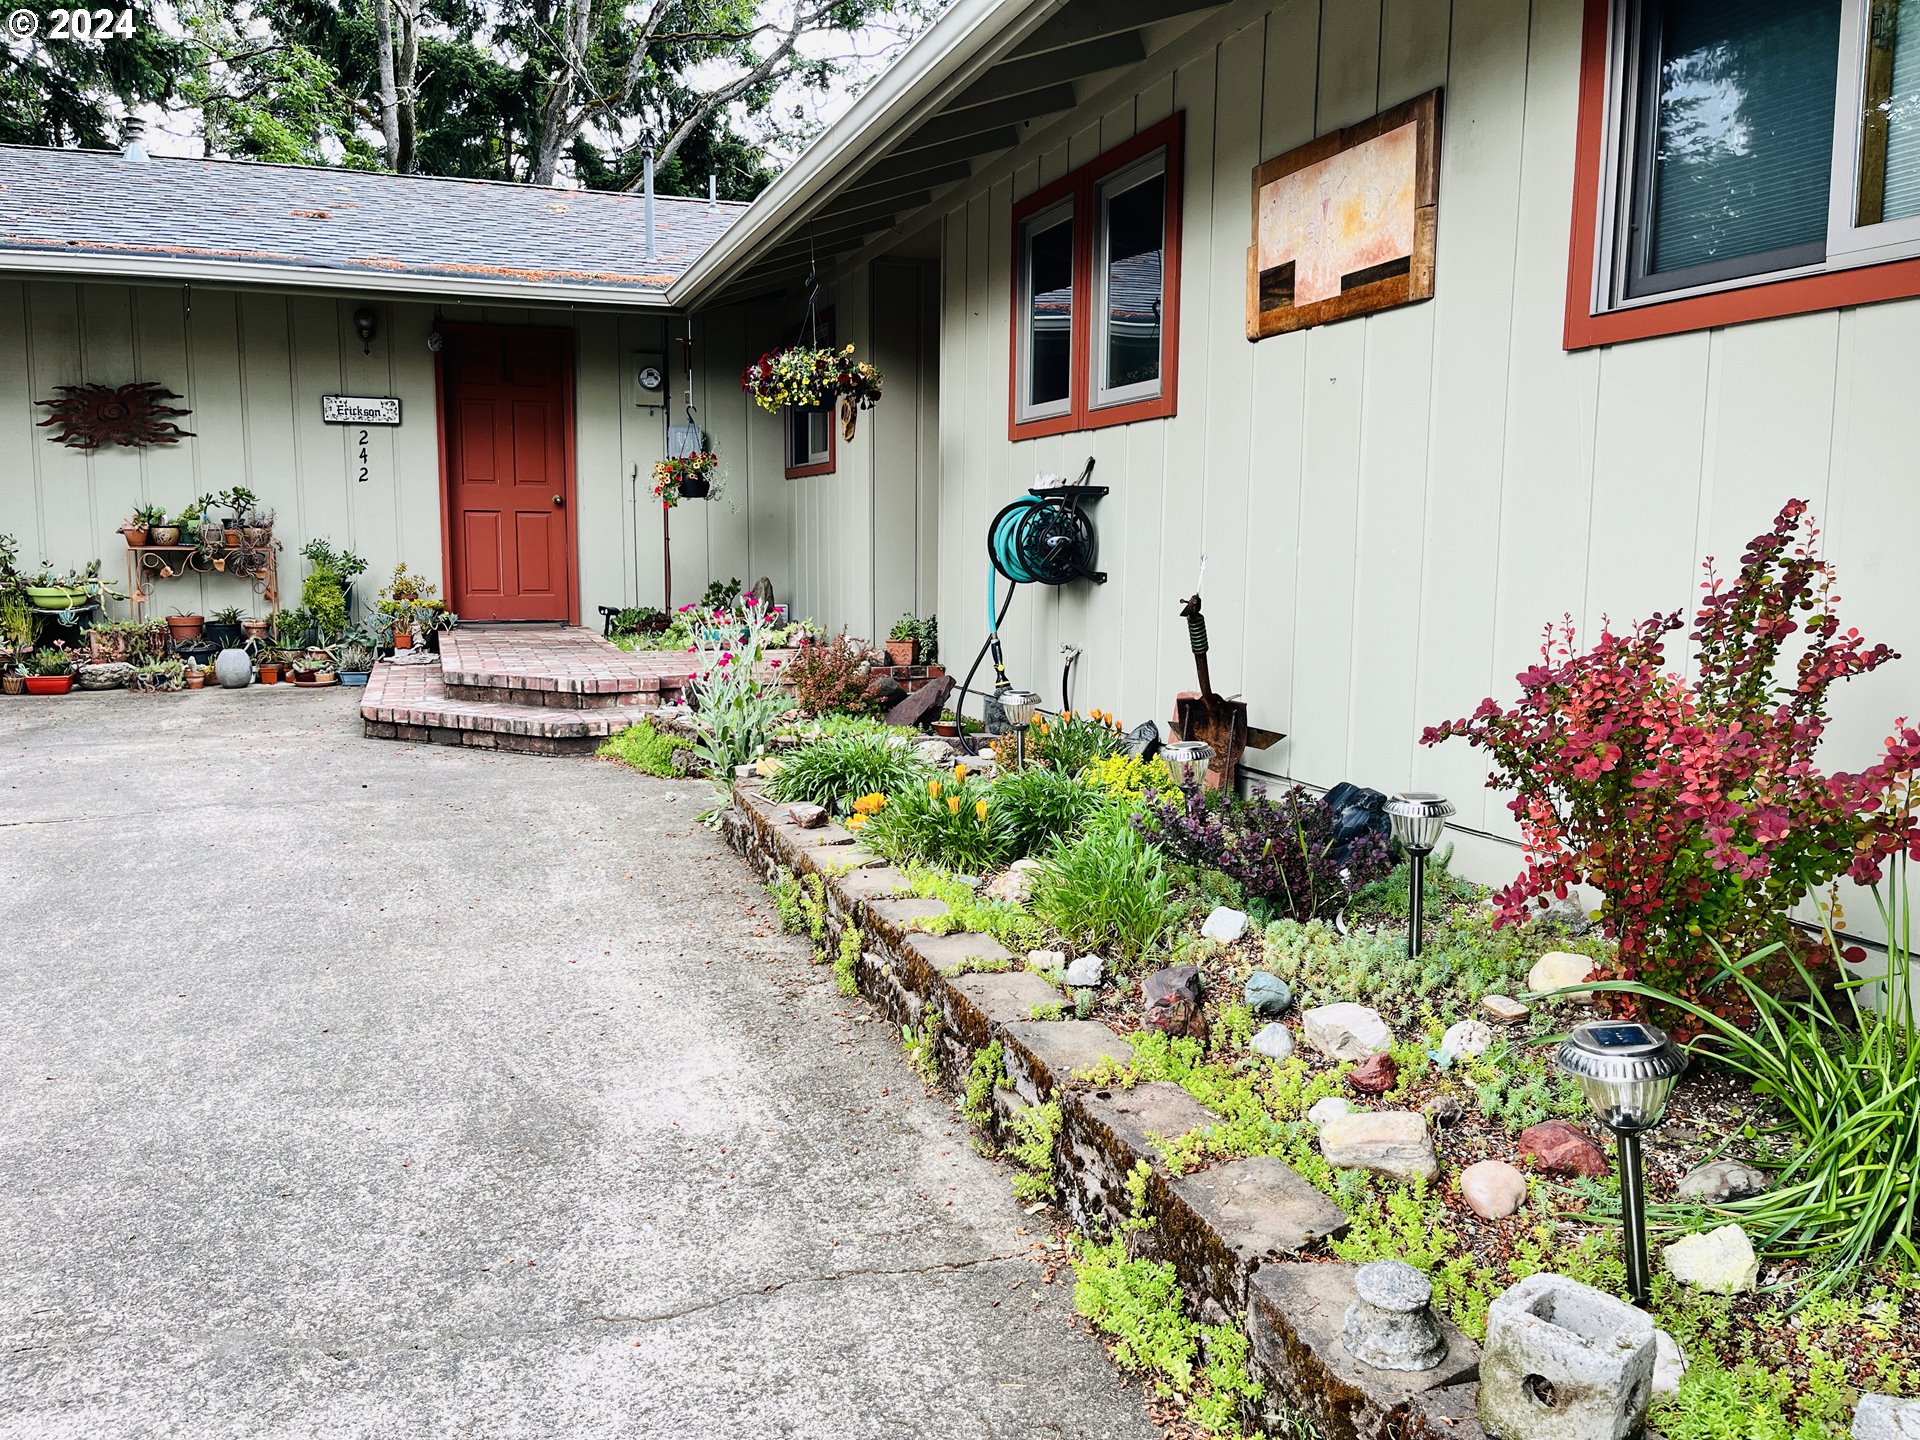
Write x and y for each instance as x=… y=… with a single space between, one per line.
x=559 y=499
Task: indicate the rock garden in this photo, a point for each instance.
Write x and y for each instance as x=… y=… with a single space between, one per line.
x=1315 y=1178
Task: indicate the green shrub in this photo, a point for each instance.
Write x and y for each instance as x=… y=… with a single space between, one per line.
x=1106 y=890
x=946 y=822
x=967 y=913
x=839 y=769
x=644 y=748
x=1040 y=805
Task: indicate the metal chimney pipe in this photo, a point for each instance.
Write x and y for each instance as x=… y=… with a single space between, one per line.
x=649 y=190
x=713 y=191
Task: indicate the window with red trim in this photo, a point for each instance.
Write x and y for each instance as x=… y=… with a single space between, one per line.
x=1743 y=160
x=1096 y=291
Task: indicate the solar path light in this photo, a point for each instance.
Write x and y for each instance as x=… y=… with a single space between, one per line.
x=1019 y=707
x=1628 y=1070
x=1419 y=819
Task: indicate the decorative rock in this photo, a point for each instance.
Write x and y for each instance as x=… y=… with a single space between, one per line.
x=1505 y=1008
x=1563 y=1361
x=1558 y=969
x=924 y=704
x=1466 y=1039
x=1493 y=1189
x=1720 y=1262
x=1224 y=924
x=1556 y=1148
x=1172 y=1002
x=1669 y=1365
x=1394 y=1143
x=1086 y=972
x=1882 y=1417
x=807 y=817
x=1014 y=884
x=1046 y=961
x=1569 y=914
x=935 y=752
x=885 y=692
x=233 y=668
x=1722 y=1180
x=108 y=675
x=1274 y=1041
x=1329 y=1109
x=1346 y=1031
x=1268 y=995
x=1374 y=1075
x=1390 y=1324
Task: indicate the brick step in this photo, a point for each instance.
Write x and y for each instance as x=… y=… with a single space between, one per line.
x=411 y=702
x=556 y=669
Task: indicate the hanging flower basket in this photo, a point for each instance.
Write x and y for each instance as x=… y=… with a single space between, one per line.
x=811 y=377
x=685 y=477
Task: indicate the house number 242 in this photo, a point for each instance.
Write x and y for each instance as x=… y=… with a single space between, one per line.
x=363 y=457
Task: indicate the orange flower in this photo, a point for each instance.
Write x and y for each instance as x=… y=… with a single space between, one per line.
x=959 y=774
x=953 y=804
x=980 y=811
x=933 y=789
x=854 y=822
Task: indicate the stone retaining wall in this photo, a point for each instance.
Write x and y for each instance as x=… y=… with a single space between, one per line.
x=1233 y=1232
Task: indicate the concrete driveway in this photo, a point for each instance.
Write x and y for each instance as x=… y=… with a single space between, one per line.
x=356 y=1089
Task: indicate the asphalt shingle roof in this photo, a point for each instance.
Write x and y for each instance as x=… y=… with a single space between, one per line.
x=101 y=203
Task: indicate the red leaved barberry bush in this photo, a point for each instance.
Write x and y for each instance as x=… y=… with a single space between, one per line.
x=1691 y=801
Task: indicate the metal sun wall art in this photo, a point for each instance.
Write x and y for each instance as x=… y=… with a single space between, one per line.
x=1345 y=224
x=134 y=416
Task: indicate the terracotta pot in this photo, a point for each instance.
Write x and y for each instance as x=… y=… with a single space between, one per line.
x=49 y=684
x=135 y=534
x=903 y=652
x=254 y=629
x=185 y=627
x=269 y=674
x=196 y=680
x=230 y=536
x=947 y=729
x=403 y=639
x=256 y=534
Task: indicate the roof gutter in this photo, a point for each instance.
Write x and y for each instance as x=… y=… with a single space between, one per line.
x=169 y=268
x=966 y=30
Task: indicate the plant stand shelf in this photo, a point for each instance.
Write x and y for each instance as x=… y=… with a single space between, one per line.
x=258 y=565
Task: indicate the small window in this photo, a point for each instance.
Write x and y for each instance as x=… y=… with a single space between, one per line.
x=1096 y=290
x=1046 y=260
x=1755 y=141
x=1131 y=253
x=809 y=441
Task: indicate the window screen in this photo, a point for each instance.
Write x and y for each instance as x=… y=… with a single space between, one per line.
x=1737 y=150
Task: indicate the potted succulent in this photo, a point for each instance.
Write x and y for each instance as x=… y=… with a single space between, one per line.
x=257 y=529
x=107 y=641
x=356 y=654
x=270 y=666
x=903 y=641
x=140 y=524
x=196 y=677
x=50 y=670
x=71 y=591
x=183 y=626
x=239 y=503
x=160 y=676
x=253 y=627
x=406 y=603
x=13 y=677
x=164 y=531
x=223 y=627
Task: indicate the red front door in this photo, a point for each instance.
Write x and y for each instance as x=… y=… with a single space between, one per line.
x=507 y=406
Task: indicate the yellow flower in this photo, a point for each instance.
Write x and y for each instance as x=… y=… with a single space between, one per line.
x=1066 y=715
x=953 y=804
x=959 y=774
x=980 y=811
x=854 y=822
x=870 y=804
x=933 y=789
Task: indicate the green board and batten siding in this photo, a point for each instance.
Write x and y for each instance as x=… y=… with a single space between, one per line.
x=1393 y=506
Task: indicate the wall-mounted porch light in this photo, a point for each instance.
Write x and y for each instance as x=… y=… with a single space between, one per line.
x=365 y=322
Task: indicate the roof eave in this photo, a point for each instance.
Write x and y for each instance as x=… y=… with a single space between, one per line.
x=403 y=282
x=967 y=29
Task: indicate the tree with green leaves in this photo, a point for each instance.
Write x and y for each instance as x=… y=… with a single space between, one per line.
x=78 y=92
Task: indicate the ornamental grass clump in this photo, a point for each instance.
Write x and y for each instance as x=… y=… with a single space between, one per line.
x=1038 y=805
x=1693 y=803
x=1280 y=852
x=839 y=769
x=1106 y=889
